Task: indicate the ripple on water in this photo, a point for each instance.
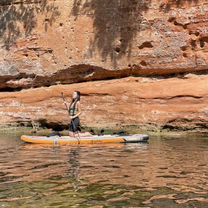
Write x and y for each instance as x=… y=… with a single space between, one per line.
x=138 y=175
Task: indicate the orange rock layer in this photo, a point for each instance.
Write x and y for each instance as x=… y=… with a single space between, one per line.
x=50 y=46
x=152 y=104
x=44 y=42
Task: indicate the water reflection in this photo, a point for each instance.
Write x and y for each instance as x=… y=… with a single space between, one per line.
x=74 y=167
x=164 y=173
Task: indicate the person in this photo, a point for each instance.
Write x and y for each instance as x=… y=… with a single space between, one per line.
x=74 y=112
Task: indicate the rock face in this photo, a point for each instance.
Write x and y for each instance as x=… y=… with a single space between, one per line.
x=61 y=43
x=146 y=103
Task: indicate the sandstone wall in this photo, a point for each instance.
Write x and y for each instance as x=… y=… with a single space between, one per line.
x=63 y=42
x=166 y=104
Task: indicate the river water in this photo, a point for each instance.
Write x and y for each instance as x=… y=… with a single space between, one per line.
x=167 y=172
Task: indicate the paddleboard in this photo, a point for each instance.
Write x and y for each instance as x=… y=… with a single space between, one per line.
x=66 y=140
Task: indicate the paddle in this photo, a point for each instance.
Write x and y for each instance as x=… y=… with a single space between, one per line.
x=64 y=99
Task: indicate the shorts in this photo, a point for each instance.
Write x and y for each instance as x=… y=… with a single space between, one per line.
x=74 y=126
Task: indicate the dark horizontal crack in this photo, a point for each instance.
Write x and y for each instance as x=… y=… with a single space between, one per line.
x=180 y=96
x=172 y=97
x=185 y=96
x=84 y=73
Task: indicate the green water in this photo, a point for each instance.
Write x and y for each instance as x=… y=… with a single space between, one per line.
x=166 y=173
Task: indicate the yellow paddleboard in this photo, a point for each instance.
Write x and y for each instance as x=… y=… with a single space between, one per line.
x=66 y=140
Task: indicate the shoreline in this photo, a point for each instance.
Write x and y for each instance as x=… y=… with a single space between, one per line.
x=17 y=130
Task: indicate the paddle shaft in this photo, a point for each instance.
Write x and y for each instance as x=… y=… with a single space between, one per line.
x=62 y=94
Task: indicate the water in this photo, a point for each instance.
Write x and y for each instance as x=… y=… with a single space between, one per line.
x=169 y=173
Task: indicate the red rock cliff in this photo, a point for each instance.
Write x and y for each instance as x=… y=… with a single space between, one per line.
x=50 y=42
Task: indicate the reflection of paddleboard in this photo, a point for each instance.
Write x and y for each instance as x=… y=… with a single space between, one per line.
x=66 y=140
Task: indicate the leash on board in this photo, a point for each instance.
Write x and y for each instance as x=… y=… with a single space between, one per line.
x=64 y=99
